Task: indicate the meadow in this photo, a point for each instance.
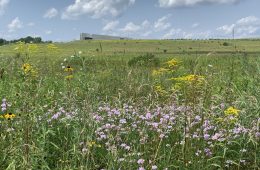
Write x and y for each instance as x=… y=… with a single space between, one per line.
x=130 y=104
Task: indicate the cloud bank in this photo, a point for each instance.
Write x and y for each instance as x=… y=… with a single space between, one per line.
x=96 y=8
x=189 y=3
x=3 y=4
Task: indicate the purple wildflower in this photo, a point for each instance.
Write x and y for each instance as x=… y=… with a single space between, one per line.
x=207 y=152
x=140 y=161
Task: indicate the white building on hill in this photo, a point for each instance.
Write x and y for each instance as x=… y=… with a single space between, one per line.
x=86 y=36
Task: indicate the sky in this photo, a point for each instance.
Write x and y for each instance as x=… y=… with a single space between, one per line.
x=64 y=20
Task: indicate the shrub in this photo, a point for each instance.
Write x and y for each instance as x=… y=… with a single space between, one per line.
x=225 y=44
x=148 y=60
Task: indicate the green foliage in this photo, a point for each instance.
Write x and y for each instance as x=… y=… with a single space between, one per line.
x=225 y=44
x=147 y=60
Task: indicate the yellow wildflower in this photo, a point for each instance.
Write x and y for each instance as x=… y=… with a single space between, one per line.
x=68 y=69
x=69 y=77
x=160 y=90
x=20 y=47
x=9 y=116
x=93 y=144
x=172 y=63
x=190 y=78
x=90 y=144
x=52 y=47
x=26 y=67
x=34 y=73
x=231 y=111
x=176 y=86
x=32 y=48
x=159 y=72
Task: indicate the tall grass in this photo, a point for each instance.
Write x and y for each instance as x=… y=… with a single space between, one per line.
x=111 y=116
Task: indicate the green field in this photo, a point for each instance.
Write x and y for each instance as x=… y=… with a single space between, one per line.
x=130 y=104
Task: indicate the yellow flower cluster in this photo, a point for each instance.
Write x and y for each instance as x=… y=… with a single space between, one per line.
x=160 y=90
x=231 y=111
x=160 y=71
x=93 y=144
x=20 y=47
x=190 y=78
x=69 y=77
x=172 y=63
x=26 y=49
x=8 y=116
x=28 y=69
x=52 y=47
x=32 y=48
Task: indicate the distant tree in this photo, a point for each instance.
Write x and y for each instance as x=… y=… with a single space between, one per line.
x=27 y=39
x=2 y=41
x=37 y=40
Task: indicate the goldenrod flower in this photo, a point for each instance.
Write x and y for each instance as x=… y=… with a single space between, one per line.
x=160 y=71
x=93 y=144
x=177 y=86
x=90 y=144
x=68 y=69
x=69 y=77
x=160 y=90
x=52 y=47
x=231 y=111
x=172 y=63
x=32 y=48
x=190 y=78
x=20 y=47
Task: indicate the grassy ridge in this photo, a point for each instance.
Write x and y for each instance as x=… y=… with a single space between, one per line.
x=133 y=47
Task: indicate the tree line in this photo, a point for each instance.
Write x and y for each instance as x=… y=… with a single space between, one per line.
x=27 y=39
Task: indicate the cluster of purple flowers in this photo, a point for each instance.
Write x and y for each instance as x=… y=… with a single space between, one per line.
x=4 y=105
x=61 y=115
x=123 y=128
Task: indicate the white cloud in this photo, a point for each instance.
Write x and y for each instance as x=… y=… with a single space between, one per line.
x=162 y=23
x=226 y=29
x=173 y=32
x=130 y=28
x=48 y=32
x=3 y=4
x=146 y=34
x=248 y=21
x=15 y=25
x=242 y=28
x=110 y=26
x=189 y=3
x=146 y=23
x=96 y=8
x=180 y=34
x=195 y=25
x=51 y=13
x=143 y=29
x=31 y=24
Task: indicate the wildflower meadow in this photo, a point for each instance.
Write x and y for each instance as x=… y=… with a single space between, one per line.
x=130 y=104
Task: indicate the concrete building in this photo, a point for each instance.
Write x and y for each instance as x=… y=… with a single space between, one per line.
x=86 y=36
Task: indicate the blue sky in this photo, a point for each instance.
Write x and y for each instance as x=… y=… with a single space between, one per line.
x=63 y=20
